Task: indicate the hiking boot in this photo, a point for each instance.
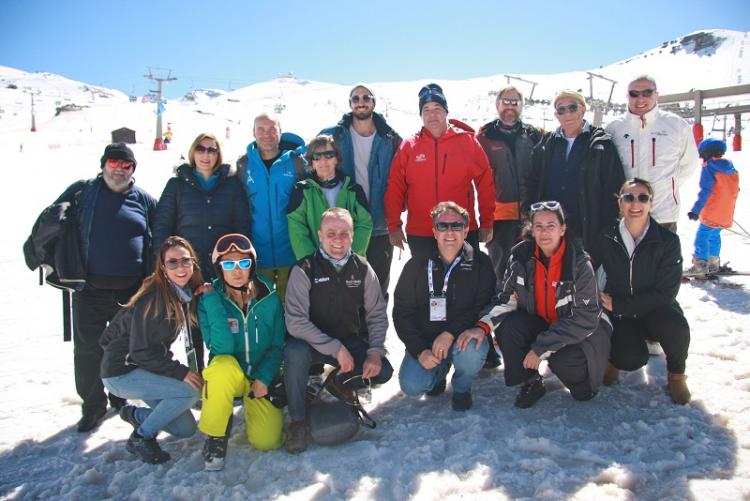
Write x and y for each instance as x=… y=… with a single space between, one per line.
x=531 y=391
x=713 y=265
x=116 y=402
x=90 y=420
x=611 y=375
x=438 y=389
x=678 y=390
x=147 y=449
x=296 y=437
x=493 y=359
x=127 y=414
x=700 y=267
x=461 y=401
x=214 y=452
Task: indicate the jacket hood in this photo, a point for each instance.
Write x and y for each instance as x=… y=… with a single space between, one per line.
x=721 y=165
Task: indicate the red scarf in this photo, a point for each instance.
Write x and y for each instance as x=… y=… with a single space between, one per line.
x=545 y=283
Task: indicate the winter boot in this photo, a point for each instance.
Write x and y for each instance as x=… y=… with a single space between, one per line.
x=461 y=401
x=678 y=389
x=438 y=389
x=714 y=265
x=700 y=267
x=214 y=452
x=530 y=393
x=91 y=419
x=147 y=449
x=296 y=436
x=611 y=375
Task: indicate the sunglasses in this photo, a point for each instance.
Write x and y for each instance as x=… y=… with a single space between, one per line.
x=210 y=150
x=454 y=226
x=365 y=99
x=329 y=154
x=571 y=108
x=511 y=102
x=243 y=264
x=639 y=93
x=631 y=197
x=233 y=241
x=173 y=264
x=120 y=164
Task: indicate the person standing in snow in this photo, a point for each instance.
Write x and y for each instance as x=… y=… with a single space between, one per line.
x=719 y=188
x=436 y=300
x=643 y=265
x=549 y=309
x=657 y=146
x=443 y=161
x=243 y=325
x=138 y=363
x=114 y=220
x=268 y=170
x=330 y=293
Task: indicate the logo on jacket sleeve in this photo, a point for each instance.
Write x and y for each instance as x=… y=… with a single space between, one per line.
x=421 y=157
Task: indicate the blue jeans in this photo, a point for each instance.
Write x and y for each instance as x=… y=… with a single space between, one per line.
x=707 y=242
x=169 y=400
x=416 y=380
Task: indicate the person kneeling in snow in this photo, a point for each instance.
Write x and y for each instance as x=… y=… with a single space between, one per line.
x=437 y=298
x=549 y=310
x=243 y=327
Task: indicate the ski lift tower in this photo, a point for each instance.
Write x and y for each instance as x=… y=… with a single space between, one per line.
x=598 y=105
x=159 y=75
x=33 y=91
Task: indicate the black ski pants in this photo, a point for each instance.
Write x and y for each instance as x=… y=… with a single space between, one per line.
x=92 y=310
x=380 y=256
x=666 y=325
x=516 y=334
x=505 y=234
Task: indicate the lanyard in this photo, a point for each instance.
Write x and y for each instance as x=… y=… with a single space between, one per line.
x=430 y=264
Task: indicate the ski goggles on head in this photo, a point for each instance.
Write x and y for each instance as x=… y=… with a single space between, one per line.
x=549 y=205
x=233 y=242
x=243 y=264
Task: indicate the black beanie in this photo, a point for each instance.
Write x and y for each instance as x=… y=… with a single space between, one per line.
x=432 y=93
x=118 y=151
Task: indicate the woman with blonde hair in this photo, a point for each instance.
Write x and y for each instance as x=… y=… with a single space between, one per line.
x=138 y=363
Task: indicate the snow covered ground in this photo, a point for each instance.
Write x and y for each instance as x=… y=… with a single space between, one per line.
x=630 y=442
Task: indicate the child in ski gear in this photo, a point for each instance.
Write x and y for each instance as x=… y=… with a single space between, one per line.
x=719 y=188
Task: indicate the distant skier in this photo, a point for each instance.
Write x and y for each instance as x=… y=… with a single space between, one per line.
x=719 y=188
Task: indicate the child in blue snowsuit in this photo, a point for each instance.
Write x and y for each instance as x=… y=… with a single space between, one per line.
x=719 y=187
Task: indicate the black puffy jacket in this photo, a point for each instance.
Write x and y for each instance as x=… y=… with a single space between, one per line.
x=185 y=209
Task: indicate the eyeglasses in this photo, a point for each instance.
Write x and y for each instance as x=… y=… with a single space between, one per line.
x=243 y=264
x=511 y=102
x=571 y=108
x=329 y=154
x=173 y=264
x=233 y=241
x=639 y=93
x=120 y=164
x=453 y=226
x=365 y=99
x=643 y=198
x=211 y=150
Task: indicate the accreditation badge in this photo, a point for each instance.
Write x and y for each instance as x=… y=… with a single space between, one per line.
x=438 y=310
x=234 y=325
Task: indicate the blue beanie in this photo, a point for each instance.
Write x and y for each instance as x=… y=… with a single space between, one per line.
x=432 y=93
x=711 y=147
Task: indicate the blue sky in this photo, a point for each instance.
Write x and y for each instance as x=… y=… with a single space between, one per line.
x=235 y=43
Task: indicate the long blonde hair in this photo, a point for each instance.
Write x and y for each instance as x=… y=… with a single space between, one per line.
x=164 y=301
x=197 y=141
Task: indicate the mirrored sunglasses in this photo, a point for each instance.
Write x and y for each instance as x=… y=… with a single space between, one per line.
x=329 y=154
x=571 y=108
x=510 y=102
x=120 y=164
x=639 y=93
x=367 y=98
x=454 y=226
x=631 y=197
x=210 y=150
x=243 y=264
x=173 y=264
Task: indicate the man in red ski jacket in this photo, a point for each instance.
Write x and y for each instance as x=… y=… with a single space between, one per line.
x=442 y=162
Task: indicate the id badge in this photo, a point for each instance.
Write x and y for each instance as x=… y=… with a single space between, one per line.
x=192 y=360
x=438 y=309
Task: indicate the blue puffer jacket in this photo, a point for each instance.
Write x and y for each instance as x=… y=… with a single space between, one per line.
x=87 y=193
x=268 y=192
x=384 y=146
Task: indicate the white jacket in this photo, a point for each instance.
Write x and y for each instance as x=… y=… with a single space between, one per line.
x=660 y=149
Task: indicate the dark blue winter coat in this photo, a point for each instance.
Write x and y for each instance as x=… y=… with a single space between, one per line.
x=201 y=216
x=86 y=203
x=268 y=191
x=384 y=147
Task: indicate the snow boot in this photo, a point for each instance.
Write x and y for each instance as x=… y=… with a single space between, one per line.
x=215 y=450
x=438 y=389
x=678 y=389
x=90 y=420
x=611 y=375
x=296 y=436
x=714 y=265
x=530 y=393
x=147 y=449
x=461 y=401
x=700 y=267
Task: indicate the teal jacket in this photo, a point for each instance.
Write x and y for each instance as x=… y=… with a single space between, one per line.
x=307 y=204
x=256 y=340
